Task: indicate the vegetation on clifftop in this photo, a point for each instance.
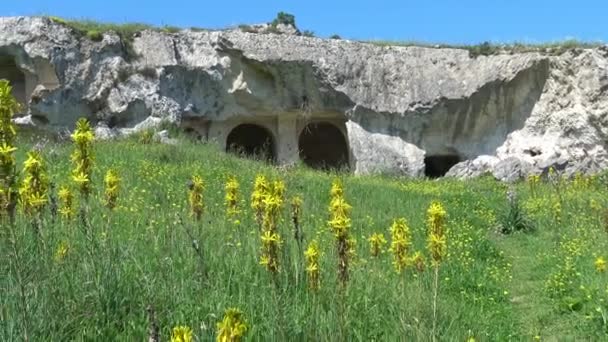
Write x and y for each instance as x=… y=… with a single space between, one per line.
x=94 y=30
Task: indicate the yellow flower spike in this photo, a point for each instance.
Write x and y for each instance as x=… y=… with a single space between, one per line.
x=8 y=107
x=181 y=333
x=340 y=223
x=233 y=326
x=260 y=189
x=312 y=255
x=232 y=198
x=271 y=240
x=66 y=199
x=401 y=241
x=376 y=243
x=33 y=192
x=112 y=188
x=195 y=197
x=418 y=262
x=82 y=157
x=437 y=241
x=61 y=252
x=600 y=264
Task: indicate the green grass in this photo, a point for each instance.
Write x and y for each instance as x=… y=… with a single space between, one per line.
x=94 y=30
x=488 y=48
x=493 y=287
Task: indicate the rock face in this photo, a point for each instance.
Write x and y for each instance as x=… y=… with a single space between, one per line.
x=403 y=110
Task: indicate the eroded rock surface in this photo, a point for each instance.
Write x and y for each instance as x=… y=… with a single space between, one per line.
x=509 y=114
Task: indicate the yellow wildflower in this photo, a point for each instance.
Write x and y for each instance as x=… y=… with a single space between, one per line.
x=232 y=199
x=195 y=197
x=66 y=199
x=340 y=223
x=376 y=241
x=600 y=264
x=112 y=188
x=34 y=189
x=260 y=188
x=401 y=241
x=418 y=262
x=61 y=252
x=312 y=255
x=232 y=327
x=437 y=241
x=82 y=157
x=181 y=333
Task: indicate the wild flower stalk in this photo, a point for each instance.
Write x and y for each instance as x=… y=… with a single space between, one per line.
x=437 y=245
x=181 y=333
x=401 y=241
x=66 y=203
x=112 y=188
x=533 y=182
x=195 y=197
x=33 y=192
x=260 y=188
x=312 y=255
x=600 y=264
x=271 y=240
x=418 y=262
x=82 y=157
x=340 y=223
x=376 y=244
x=296 y=213
x=8 y=175
x=233 y=326
x=61 y=252
x=232 y=198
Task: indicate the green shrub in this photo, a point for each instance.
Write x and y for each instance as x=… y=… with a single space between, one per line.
x=285 y=19
x=95 y=36
x=170 y=29
x=308 y=33
x=513 y=219
x=335 y=36
x=146 y=137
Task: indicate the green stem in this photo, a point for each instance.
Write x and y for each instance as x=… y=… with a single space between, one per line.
x=435 y=290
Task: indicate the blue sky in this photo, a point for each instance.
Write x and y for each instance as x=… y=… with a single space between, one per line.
x=439 y=21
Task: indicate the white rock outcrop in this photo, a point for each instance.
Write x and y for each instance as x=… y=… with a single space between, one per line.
x=507 y=114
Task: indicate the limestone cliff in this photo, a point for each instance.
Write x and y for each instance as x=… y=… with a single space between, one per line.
x=398 y=107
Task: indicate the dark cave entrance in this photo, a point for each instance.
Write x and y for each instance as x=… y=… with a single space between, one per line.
x=11 y=72
x=323 y=146
x=438 y=166
x=251 y=140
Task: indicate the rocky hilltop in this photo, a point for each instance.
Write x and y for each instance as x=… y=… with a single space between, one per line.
x=404 y=110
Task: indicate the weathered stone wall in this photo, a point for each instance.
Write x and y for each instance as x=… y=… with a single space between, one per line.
x=509 y=114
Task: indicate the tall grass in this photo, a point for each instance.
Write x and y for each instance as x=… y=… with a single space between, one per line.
x=148 y=252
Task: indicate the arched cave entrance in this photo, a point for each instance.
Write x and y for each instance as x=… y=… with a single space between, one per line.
x=252 y=141
x=9 y=71
x=323 y=146
x=437 y=166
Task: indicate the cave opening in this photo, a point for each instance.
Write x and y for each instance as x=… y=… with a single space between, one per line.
x=323 y=146
x=11 y=72
x=251 y=141
x=437 y=166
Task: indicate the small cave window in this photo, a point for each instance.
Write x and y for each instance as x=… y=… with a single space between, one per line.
x=438 y=166
x=323 y=146
x=9 y=71
x=251 y=141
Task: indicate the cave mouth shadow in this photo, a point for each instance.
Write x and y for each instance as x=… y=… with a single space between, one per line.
x=322 y=146
x=251 y=141
x=436 y=166
x=16 y=78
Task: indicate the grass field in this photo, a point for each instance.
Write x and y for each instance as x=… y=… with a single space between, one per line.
x=541 y=283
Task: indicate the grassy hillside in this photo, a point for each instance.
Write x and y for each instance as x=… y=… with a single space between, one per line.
x=150 y=253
